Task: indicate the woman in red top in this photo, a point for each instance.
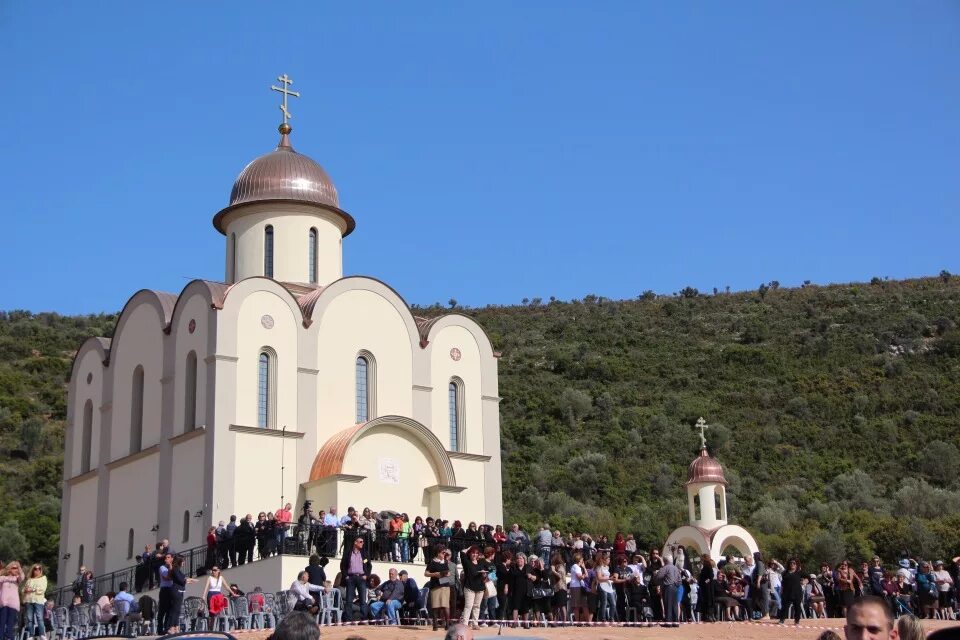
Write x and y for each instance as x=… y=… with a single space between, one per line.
x=499 y=536
x=211 y=548
x=619 y=545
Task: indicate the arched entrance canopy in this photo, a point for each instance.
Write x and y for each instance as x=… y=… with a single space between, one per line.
x=329 y=460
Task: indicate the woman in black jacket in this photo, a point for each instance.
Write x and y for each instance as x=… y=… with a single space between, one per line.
x=263 y=531
x=705 y=592
x=518 y=588
x=541 y=580
x=791 y=591
x=503 y=567
x=180 y=581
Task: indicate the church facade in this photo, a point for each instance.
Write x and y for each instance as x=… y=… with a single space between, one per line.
x=286 y=382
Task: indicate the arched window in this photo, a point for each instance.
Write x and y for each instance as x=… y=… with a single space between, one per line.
x=363 y=389
x=312 y=258
x=186 y=525
x=697 y=514
x=190 y=393
x=720 y=499
x=233 y=257
x=455 y=393
x=80 y=557
x=130 y=544
x=266 y=388
x=136 y=411
x=268 y=251
x=86 y=436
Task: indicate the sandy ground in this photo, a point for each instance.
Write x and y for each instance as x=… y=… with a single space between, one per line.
x=720 y=630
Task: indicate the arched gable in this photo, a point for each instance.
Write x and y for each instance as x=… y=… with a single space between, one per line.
x=329 y=460
x=214 y=292
x=315 y=303
x=431 y=327
x=98 y=344
x=161 y=301
x=431 y=330
x=261 y=283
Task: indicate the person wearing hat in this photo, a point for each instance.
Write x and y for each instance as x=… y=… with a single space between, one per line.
x=813 y=593
x=908 y=569
x=944 y=584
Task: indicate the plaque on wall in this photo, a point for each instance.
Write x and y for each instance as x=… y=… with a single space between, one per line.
x=389 y=471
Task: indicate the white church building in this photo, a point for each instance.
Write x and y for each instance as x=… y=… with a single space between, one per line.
x=286 y=379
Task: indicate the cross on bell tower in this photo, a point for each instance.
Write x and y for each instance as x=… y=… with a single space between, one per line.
x=285 y=90
x=702 y=426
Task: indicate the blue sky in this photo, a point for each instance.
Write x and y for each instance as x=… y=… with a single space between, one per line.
x=488 y=151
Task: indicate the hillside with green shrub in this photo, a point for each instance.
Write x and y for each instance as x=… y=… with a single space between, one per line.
x=834 y=410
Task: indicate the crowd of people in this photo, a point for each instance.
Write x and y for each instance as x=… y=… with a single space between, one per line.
x=477 y=574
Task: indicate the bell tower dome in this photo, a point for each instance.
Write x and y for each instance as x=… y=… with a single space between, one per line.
x=706 y=488
x=284 y=219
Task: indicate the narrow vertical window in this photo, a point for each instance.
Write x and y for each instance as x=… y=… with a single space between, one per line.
x=233 y=257
x=190 y=393
x=268 y=251
x=86 y=443
x=186 y=525
x=313 y=256
x=455 y=393
x=363 y=387
x=136 y=411
x=130 y=544
x=366 y=386
x=80 y=557
x=267 y=388
x=263 y=391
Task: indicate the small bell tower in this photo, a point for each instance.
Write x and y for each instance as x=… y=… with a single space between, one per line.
x=706 y=487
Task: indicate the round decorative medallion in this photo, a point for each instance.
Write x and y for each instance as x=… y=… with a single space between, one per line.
x=89 y=378
x=267 y=321
x=455 y=354
x=192 y=325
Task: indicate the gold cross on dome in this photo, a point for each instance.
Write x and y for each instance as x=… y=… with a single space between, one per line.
x=285 y=90
x=702 y=425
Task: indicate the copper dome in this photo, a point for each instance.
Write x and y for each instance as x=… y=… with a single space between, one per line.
x=283 y=175
x=705 y=468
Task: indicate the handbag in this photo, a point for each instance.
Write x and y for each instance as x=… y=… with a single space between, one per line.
x=490 y=588
x=445 y=581
x=538 y=593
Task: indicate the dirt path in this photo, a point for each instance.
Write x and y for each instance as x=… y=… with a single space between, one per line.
x=808 y=629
